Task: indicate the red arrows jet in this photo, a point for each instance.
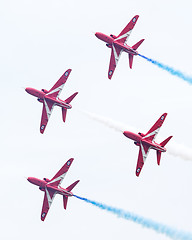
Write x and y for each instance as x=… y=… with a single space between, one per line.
x=147 y=142
x=52 y=187
x=118 y=45
x=51 y=98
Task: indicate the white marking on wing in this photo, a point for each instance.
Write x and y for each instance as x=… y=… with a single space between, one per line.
x=60 y=178
x=155 y=132
x=116 y=55
x=49 y=200
x=48 y=111
x=58 y=89
x=145 y=154
x=127 y=34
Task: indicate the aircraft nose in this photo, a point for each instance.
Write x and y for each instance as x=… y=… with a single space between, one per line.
x=29 y=179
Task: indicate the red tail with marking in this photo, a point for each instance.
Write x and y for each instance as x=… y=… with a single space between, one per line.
x=137 y=44
x=134 y=47
x=69 y=99
x=64 y=112
x=130 y=60
x=158 y=157
x=162 y=144
x=165 y=141
x=65 y=198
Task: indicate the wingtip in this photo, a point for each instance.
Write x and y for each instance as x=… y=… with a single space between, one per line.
x=67 y=72
x=136 y=16
x=109 y=77
x=138 y=170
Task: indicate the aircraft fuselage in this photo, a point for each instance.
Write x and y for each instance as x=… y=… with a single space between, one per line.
x=41 y=95
x=43 y=184
x=140 y=139
x=112 y=41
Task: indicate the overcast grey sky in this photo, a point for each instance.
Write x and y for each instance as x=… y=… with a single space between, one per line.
x=39 y=41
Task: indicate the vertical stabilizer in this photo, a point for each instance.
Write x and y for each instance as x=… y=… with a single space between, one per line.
x=69 y=99
x=65 y=198
x=130 y=60
x=64 y=112
x=162 y=144
x=134 y=47
x=137 y=44
x=158 y=157
x=72 y=186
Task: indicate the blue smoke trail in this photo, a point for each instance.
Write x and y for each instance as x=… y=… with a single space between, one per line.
x=169 y=69
x=158 y=227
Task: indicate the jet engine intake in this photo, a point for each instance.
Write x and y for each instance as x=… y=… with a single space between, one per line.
x=46 y=179
x=39 y=99
x=113 y=36
x=108 y=45
x=136 y=143
x=141 y=134
x=44 y=90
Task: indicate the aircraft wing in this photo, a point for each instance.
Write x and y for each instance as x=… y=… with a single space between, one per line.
x=46 y=113
x=48 y=199
x=58 y=87
x=59 y=176
x=124 y=35
x=115 y=55
x=152 y=133
x=143 y=153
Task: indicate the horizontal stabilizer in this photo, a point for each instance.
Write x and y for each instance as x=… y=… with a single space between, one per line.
x=130 y=60
x=68 y=100
x=65 y=198
x=162 y=144
x=158 y=157
x=72 y=186
x=64 y=112
x=137 y=44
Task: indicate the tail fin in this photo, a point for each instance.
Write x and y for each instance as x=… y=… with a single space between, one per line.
x=162 y=144
x=165 y=141
x=134 y=48
x=137 y=44
x=64 y=112
x=69 y=99
x=158 y=157
x=130 y=60
x=72 y=186
x=65 y=198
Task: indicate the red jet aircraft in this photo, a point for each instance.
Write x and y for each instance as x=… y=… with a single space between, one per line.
x=51 y=98
x=147 y=142
x=118 y=45
x=52 y=187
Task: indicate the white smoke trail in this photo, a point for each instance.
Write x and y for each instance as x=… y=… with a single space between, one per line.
x=118 y=126
x=172 y=147
x=179 y=150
